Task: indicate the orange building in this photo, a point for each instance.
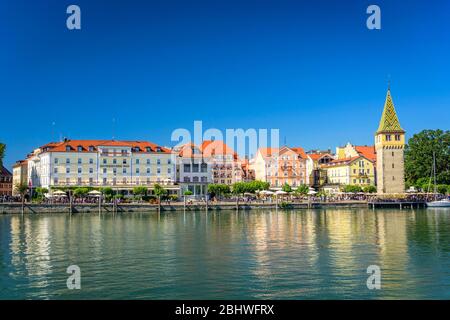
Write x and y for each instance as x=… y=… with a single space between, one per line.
x=279 y=166
x=226 y=166
x=6 y=187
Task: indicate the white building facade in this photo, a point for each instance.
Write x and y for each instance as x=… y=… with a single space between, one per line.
x=99 y=163
x=193 y=172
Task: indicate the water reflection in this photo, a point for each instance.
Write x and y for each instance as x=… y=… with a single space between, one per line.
x=318 y=254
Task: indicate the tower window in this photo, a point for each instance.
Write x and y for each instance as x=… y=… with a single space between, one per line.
x=393 y=153
x=388 y=137
x=393 y=178
x=392 y=166
x=397 y=137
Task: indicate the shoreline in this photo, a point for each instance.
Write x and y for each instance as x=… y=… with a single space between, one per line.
x=16 y=208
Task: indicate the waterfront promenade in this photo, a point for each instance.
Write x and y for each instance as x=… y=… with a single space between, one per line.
x=111 y=208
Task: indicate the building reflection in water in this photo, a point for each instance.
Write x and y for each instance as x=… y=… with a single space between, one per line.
x=266 y=254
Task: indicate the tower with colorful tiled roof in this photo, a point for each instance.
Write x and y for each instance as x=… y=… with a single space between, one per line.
x=389 y=145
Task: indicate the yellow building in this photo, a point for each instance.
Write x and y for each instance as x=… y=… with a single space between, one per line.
x=357 y=170
x=20 y=172
x=354 y=165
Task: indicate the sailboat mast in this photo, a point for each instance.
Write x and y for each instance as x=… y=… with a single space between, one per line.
x=434 y=172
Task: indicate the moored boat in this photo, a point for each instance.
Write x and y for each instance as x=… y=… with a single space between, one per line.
x=439 y=203
x=443 y=203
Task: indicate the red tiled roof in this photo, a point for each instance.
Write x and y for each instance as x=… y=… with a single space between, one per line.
x=341 y=161
x=85 y=144
x=268 y=152
x=216 y=147
x=19 y=163
x=300 y=151
x=317 y=156
x=344 y=161
x=367 y=151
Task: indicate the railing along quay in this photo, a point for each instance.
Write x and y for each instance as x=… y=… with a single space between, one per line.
x=397 y=204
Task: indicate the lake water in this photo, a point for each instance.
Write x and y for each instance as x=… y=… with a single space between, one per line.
x=304 y=254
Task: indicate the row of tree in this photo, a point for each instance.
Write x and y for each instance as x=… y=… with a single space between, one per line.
x=2 y=153
x=80 y=192
x=419 y=158
x=419 y=161
x=252 y=187
x=355 y=189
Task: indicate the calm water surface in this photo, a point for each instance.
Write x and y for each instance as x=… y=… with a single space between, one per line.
x=305 y=254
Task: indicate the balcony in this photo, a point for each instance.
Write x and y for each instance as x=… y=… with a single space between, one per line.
x=111 y=184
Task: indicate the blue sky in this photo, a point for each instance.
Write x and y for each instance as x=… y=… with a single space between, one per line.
x=310 y=68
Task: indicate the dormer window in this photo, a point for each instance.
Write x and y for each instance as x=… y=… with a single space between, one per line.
x=80 y=148
x=148 y=149
x=91 y=148
x=136 y=149
x=158 y=149
x=68 y=148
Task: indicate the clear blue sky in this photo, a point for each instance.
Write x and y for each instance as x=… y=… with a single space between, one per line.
x=310 y=68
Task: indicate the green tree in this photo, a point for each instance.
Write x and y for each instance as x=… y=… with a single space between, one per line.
x=352 y=188
x=107 y=192
x=286 y=188
x=22 y=189
x=419 y=156
x=370 y=189
x=159 y=190
x=140 y=191
x=422 y=183
x=40 y=193
x=302 y=189
x=188 y=193
x=219 y=189
x=257 y=185
x=2 y=152
x=240 y=188
x=442 y=188
x=80 y=192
